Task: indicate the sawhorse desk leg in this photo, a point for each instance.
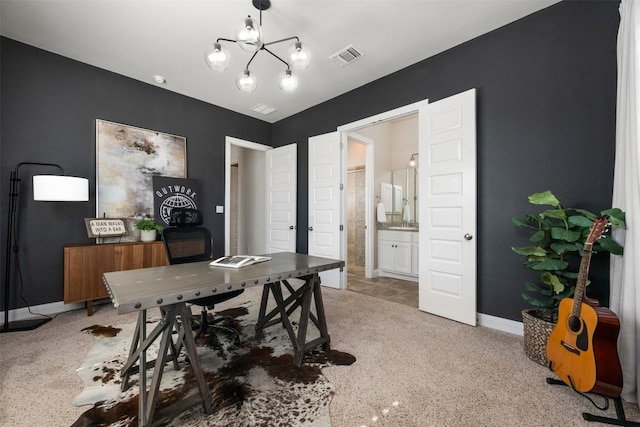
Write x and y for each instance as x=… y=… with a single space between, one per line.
x=302 y=298
x=140 y=344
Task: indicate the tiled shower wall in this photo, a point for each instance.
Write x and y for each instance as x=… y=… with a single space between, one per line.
x=355 y=218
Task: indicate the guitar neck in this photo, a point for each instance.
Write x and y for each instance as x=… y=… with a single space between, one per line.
x=581 y=285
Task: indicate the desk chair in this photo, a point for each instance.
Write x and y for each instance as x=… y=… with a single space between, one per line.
x=185 y=240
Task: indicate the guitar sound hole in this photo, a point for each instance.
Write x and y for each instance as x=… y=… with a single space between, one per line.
x=574 y=324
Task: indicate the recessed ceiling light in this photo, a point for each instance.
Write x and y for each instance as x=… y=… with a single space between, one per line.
x=159 y=79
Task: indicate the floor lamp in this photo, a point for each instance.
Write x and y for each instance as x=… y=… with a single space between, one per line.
x=51 y=188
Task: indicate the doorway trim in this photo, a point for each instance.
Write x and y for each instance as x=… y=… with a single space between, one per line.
x=382 y=117
x=228 y=142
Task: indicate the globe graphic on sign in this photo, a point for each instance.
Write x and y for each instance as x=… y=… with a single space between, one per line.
x=175 y=201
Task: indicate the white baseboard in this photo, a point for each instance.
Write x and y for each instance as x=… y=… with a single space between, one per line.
x=500 y=324
x=46 y=309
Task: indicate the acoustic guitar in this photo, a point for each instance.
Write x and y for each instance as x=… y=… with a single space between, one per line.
x=582 y=348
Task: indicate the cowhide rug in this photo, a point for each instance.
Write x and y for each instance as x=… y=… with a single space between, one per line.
x=252 y=384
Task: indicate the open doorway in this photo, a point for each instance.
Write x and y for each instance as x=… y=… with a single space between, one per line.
x=244 y=176
x=260 y=202
x=394 y=136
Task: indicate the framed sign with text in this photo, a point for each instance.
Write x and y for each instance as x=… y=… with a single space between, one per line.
x=106 y=227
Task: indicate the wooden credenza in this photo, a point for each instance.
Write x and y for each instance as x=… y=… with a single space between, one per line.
x=84 y=265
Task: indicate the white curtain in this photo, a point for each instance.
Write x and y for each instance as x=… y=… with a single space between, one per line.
x=625 y=270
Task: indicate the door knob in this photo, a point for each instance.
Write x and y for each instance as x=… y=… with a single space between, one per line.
x=468 y=236
x=291 y=227
x=310 y=228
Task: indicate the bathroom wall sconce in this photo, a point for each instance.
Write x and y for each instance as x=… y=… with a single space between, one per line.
x=412 y=160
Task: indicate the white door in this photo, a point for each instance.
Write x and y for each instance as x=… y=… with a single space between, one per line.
x=447 y=142
x=325 y=202
x=281 y=198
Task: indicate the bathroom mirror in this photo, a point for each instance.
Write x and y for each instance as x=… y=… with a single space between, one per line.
x=405 y=192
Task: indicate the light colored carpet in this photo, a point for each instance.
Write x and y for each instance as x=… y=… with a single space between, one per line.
x=412 y=369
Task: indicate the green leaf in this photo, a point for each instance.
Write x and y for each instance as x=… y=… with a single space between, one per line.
x=521 y=223
x=553 y=280
x=555 y=213
x=545 y=303
x=616 y=216
x=567 y=293
x=549 y=265
x=562 y=248
x=538 y=236
x=587 y=213
x=566 y=235
x=529 y=250
x=580 y=221
x=544 y=198
x=534 y=287
x=610 y=245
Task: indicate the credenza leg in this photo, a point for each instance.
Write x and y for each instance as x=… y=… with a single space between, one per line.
x=89 y=307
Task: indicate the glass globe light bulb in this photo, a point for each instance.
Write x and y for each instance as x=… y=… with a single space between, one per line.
x=217 y=58
x=249 y=35
x=246 y=82
x=300 y=58
x=287 y=81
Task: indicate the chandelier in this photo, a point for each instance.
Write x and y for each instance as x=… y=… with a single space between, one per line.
x=249 y=38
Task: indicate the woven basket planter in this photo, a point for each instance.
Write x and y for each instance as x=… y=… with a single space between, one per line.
x=536 y=334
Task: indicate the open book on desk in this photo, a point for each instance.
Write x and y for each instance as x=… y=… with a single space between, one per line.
x=237 y=261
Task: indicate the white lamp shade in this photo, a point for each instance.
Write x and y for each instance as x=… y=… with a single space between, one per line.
x=60 y=188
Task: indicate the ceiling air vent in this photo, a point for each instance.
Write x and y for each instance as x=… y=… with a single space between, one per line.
x=346 y=56
x=264 y=109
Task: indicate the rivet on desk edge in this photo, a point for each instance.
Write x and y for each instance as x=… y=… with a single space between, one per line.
x=229 y=287
x=198 y=293
x=179 y=297
x=159 y=301
x=214 y=290
x=138 y=305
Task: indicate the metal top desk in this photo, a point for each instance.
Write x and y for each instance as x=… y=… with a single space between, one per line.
x=170 y=287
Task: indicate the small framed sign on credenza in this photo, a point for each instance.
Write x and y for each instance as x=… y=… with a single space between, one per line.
x=106 y=227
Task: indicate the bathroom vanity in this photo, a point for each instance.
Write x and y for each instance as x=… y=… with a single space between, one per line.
x=398 y=253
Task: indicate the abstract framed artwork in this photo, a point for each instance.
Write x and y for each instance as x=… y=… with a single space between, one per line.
x=127 y=158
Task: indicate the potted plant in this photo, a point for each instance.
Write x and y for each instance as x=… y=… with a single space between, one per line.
x=149 y=229
x=558 y=236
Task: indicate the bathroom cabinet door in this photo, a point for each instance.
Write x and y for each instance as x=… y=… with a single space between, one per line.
x=402 y=258
x=386 y=255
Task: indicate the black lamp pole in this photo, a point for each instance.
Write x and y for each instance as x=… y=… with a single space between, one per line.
x=12 y=247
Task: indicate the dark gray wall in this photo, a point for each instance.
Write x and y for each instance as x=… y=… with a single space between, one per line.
x=546 y=93
x=546 y=120
x=49 y=107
